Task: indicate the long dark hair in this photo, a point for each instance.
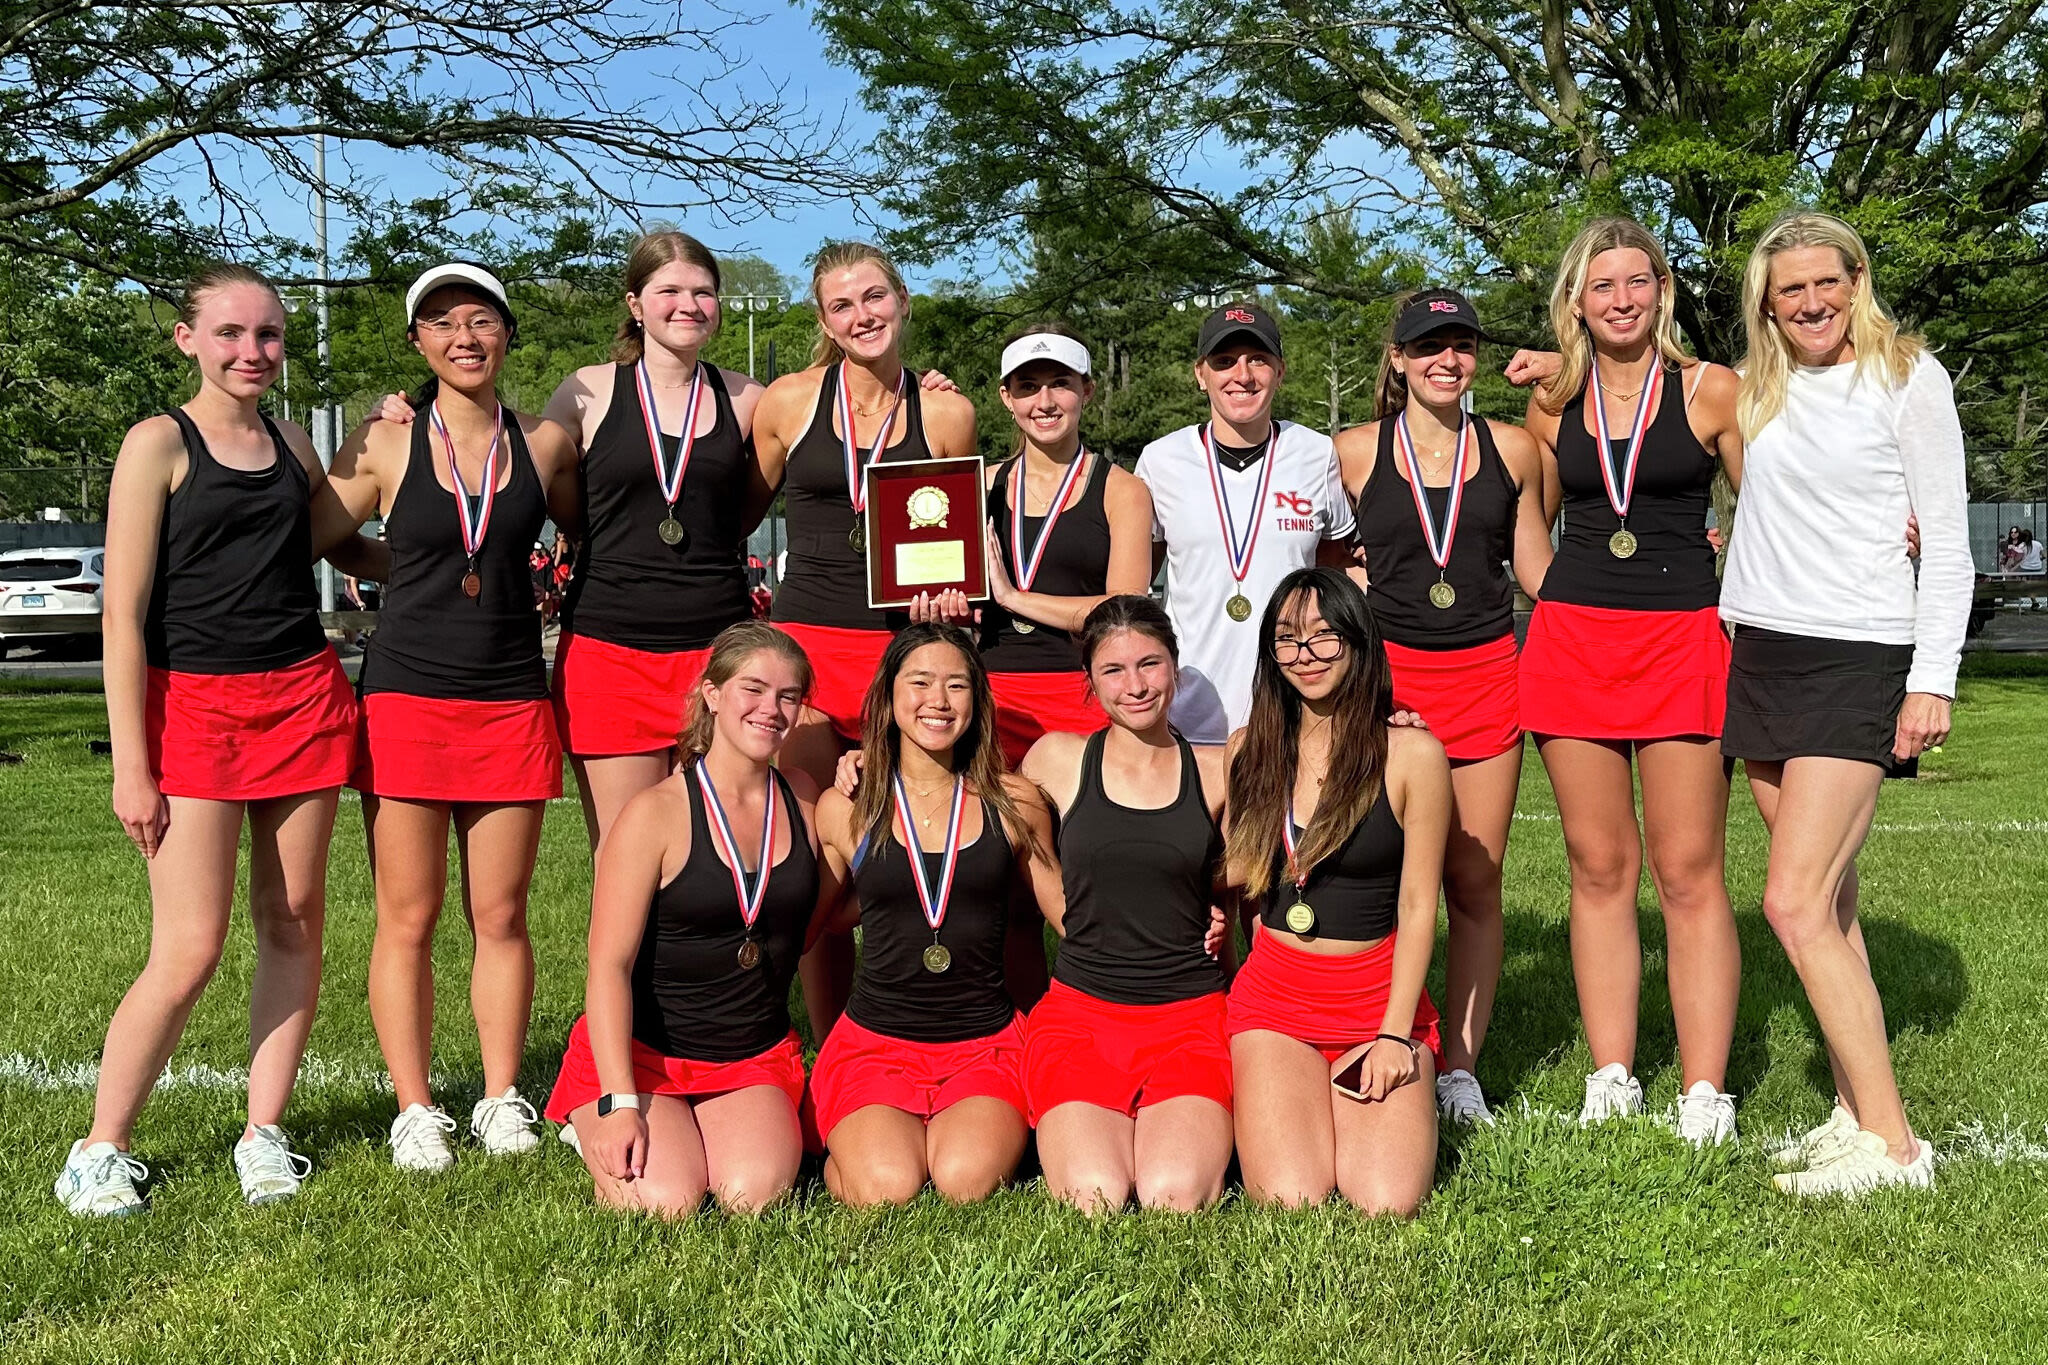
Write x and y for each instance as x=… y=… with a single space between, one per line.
x=1263 y=769
x=977 y=755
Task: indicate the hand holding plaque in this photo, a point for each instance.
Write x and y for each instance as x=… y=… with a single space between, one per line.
x=923 y=523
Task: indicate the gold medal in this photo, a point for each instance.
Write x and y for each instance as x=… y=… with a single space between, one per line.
x=937 y=958
x=750 y=955
x=1622 y=543
x=670 y=531
x=1023 y=626
x=858 y=537
x=1442 y=595
x=1301 y=917
x=927 y=506
x=472 y=585
x=1238 y=608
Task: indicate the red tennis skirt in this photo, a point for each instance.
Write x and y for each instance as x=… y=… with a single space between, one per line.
x=858 y=1067
x=1081 y=1049
x=1331 y=1003
x=251 y=736
x=843 y=663
x=654 y=1073
x=1032 y=704
x=613 y=700
x=1466 y=695
x=438 y=749
x=1601 y=673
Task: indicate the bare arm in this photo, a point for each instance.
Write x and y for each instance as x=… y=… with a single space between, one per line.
x=1127 y=504
x=1041 y=869
x=652 y=834
x=838 y=908
x=151 y=463
x=1542 y=428
x=1419 y=789
x=560 y=467
x=949 y=425
x=1532 y=548
x=1053 y=765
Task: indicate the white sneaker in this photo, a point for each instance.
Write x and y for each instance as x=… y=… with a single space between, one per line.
x=1706 y=1116
x=269 y=1168
x=419 y=1139
x=505 y=1124
x=1860 y=1164
x=99 y=1181
x=1460 y=1099
x=1611 y=1093
x=1819 y=1144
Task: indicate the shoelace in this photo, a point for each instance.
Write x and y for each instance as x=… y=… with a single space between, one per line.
x=491 y=1106
x=102 y=1171
x=414 y=1133
x=269 y=1158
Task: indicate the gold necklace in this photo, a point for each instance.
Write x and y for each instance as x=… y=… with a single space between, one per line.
x=1616 y=393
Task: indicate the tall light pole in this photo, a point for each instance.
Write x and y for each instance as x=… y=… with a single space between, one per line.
x=324 y=420
x=750 y=304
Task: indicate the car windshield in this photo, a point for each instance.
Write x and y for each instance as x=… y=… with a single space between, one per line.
x=33 y=570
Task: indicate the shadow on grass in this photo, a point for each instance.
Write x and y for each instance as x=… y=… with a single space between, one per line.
x=1536 y=1014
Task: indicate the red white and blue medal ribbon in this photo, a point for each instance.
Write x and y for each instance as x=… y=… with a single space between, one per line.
x=1289 y=842
x=1620 y=491
x=1024 y=568
x=856 y=491
x=1240 y=555
x=1439 y=543
x=932 y=901
x=650 y=413
x=750 y=899
x=472 y=515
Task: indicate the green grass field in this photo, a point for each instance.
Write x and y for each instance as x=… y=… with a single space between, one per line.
x=1541 y=1243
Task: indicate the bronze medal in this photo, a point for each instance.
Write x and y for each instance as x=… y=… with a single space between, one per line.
x=1622 y=543
x=1442 y=595
x=472 y=585
x=1301 y=917
x=858 y=538
x=937 y=958
x=750 y=955
x=1238 y=608
x=1023 y=626
x=670 y=531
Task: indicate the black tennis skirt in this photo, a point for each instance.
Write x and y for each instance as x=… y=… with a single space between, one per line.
x=1798 y=696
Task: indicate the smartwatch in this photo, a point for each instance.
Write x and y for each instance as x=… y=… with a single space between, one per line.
x=607 y=1103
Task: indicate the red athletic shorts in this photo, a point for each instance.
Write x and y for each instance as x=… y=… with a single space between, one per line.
x=613 y=700
x=843 y=663
x=1466 y=695
x=1332 y=1003
x=781 y=1066
x=1079 y=1049
x=1031 y=704
x=251 y=736
x=858 y=1067
x=1601 y=673
x=436 y=749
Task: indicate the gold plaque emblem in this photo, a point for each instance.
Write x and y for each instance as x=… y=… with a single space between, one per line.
x=928 y=507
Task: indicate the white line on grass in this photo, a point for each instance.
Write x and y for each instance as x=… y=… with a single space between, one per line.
x=1544 y=817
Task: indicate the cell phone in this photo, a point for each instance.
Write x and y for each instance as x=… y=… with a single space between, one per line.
x=1351 y=1080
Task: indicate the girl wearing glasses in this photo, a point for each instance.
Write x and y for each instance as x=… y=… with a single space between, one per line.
x=1336 y=831
x=1445 y=499
x=457 y=729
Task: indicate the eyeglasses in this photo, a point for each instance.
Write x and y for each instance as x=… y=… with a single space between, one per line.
x=1325 y=647
x=482 y=327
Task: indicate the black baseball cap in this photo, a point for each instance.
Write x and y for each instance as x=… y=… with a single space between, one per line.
x=1235 y=322
x=1433 y=310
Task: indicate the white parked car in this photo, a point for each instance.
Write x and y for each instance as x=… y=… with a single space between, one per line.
x=51 y=591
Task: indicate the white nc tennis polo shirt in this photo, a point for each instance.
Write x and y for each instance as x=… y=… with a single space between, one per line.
x=1303 y=505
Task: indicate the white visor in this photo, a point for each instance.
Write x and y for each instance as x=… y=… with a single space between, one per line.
x=1045 y=346
x=455 y=272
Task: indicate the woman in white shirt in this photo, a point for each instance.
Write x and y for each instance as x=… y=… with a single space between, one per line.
x=1843 y=665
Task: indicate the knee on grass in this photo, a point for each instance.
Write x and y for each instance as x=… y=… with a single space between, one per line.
x=875 y=1181
x=1178 y=1187
x=1090 y=1186
x=966 y=1177
x=654 y=1196
x=749 y=1187
x=1379 y=1195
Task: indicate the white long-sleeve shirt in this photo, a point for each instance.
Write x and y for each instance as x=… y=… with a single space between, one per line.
x=1819 y=545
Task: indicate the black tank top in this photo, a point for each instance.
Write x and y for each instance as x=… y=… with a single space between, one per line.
x=1673 y=566
x=893 y=993
x=691 y=996
x=1397 y=555
x=1356 y=892
x=631 y=588
x=1138 y=885
x=233 y=591
x=1076 y=564
x=432 y=641
x=827 y=583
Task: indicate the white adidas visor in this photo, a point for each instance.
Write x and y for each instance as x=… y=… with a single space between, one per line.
x=1045 y=346
x=456 y=272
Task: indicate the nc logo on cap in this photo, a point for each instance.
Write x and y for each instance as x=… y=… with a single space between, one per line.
x=1442 y=306
x=1237 y=315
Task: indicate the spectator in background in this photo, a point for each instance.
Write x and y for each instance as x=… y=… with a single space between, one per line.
x=2027 y=557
